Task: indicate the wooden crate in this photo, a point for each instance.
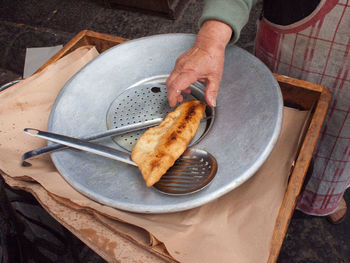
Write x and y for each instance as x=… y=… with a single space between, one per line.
x=296 y=93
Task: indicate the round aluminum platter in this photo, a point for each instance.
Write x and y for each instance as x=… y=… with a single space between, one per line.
x=241 y=134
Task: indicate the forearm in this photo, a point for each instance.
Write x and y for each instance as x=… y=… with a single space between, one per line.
x=234 y=13
x=213 y=35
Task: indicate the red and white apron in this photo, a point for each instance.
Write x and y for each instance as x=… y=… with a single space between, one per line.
x=317 y=49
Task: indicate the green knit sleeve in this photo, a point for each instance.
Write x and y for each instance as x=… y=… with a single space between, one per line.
x=235 y=13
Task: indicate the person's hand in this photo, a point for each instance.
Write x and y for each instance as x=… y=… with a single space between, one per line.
x=204 y=62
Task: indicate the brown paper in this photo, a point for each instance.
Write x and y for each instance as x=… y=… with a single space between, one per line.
x=234 y=228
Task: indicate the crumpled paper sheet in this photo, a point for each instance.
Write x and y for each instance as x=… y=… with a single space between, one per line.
x=234 y=228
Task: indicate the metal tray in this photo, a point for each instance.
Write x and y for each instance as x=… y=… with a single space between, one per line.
x=243 y=132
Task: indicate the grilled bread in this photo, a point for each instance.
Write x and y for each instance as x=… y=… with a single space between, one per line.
x=159 y=147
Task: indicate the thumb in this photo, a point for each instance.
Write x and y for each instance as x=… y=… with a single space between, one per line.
x=211 y=92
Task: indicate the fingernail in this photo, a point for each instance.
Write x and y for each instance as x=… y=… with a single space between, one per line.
x=212 y=101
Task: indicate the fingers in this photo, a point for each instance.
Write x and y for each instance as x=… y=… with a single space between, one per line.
x=187 y=91
x=178 y=83
x=211 y=92
x=182 y=82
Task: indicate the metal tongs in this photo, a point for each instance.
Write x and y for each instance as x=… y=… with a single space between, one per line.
x=112 y=132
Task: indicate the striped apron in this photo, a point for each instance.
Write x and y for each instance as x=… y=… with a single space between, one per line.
x=316 y=49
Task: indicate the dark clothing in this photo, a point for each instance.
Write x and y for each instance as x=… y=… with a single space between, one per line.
x=288 y=12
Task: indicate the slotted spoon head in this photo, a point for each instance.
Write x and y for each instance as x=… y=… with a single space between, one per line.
x=193 y=171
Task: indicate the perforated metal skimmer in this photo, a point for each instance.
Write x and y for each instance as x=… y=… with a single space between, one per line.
x=141 y=103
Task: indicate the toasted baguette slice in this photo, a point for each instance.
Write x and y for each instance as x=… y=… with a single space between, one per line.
x=159 y=147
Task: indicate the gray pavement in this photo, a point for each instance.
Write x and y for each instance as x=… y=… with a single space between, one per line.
x=35 y=23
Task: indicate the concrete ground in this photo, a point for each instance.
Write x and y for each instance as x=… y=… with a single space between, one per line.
x=35 y=23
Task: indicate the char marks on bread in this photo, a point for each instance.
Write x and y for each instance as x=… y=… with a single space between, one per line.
x=159 y=147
